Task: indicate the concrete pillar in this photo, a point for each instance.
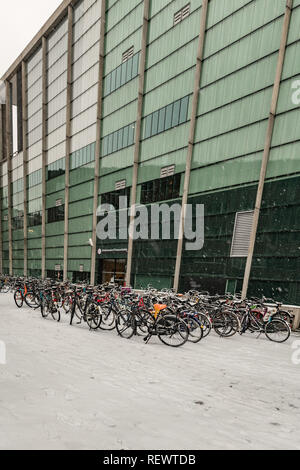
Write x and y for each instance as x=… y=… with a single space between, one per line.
x=201 y=43
x=68 y=138
x=44 y=153
x=138 y=127
x=98 y=138
x=268 y=143
x=2 y=157
x=25 y=164
x=9 y=171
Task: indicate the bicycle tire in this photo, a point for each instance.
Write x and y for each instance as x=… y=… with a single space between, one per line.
x=108 y=322
x=32 y=300
x=125 y=324
x=226 y=324
x=18 y=298
x=195 y=329
x=276 y=326
x=206 y=324
x=169 y=325
x=93 y=316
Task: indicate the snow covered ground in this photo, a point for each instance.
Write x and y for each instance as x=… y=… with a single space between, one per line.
x=68 y=388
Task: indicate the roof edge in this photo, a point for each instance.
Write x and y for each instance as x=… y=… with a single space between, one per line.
x=44 y=31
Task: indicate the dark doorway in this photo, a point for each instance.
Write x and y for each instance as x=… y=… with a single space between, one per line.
x=112 y=270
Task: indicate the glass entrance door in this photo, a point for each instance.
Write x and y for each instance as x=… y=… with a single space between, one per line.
x=114 y=270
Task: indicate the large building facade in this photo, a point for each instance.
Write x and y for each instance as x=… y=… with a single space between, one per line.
x=159 y=101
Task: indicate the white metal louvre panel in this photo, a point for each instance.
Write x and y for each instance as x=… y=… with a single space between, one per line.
x=241 y=235
x=167 y=171
x=120 y=185
x=177 y=17
x=185 y=11
x=182 y=14
x=127 y=54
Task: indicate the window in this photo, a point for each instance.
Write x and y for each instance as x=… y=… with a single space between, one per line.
x=57 y=168
x=154 y=129
x=176 y=111
x=118 y=140
x=182 y=14
x=54 y=274
x=79 y=276
x=161 y=120
x=184 y=108
x=34 y=178
x=128 y=54
x=118 y=77
x=241 y=235
x=34 y=219
x=112 y=198
x=169 y=113
x=18 y=222
x=161 y=189
x=16 y=113
x=83 y=156
x=166 y=118
x=56 y=214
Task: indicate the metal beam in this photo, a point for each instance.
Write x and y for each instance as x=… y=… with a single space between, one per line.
x=201 y=43
x=68 y=138
x=9 y=170
x=44 y=151
x=98 y=138
x=25 y=164
x=138 y=127
x=268 y=143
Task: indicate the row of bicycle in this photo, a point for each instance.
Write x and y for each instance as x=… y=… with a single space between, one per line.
x=173 y=318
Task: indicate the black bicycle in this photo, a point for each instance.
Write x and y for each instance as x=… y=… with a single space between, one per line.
x=170 y=329
x=275 y=329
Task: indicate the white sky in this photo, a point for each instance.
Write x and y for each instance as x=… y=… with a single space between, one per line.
x=20 y=21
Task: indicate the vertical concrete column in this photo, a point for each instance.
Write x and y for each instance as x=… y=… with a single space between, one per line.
x=138 y=127
x=25 y=163
x=44 y=152
x=2 y=120
x=201 y=43
x=9 y=171
x=98 y=138
x=2 y=157
x=268 y=143
x=68 y=138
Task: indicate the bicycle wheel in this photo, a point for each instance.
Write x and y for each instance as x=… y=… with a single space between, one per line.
x=32 y=300
x=108 y=322
x=172 y=331
x=206 y=324
x=55 y=312
x=144 y=322
x=93 y=316
x=125 y=324
x=18 y=297
x=195 y=329
x=277 y=330
x=44 y=308
x=226 y=324
x=285 y=316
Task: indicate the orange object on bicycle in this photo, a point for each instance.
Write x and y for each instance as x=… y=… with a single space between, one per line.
x=158 y=308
